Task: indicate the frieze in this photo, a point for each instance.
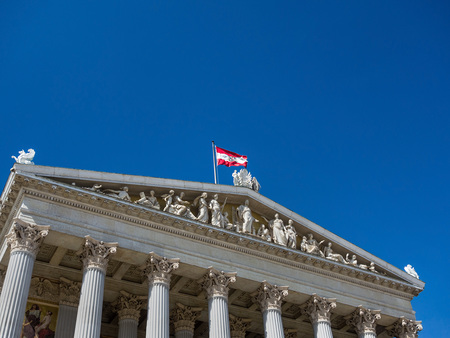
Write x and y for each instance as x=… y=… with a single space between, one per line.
x=225 y=238
x=43 y=288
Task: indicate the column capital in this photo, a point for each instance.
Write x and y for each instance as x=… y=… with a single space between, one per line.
x=405 y=328
x=364 y=320
x=319 y=309
x=128 y=306
x=69 y=292
x=159 y=269
x=26 y=237
x=239 y=326
x=184 y=317
x=96 y=254
x=216 y=282
x=290 y=333
x=270 y=296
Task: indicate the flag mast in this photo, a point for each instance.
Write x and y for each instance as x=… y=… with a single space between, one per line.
x=215 y=162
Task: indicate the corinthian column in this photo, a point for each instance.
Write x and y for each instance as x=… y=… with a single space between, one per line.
x=69 y=296
x=158 y=270
x=239 y=326
x=95 y=257
x=215 y=283
x=405 y=328
x=364 y=322
x=270 y=297
x=128 y=307
x=24 y=240
x=319 y=311
x=183 y=318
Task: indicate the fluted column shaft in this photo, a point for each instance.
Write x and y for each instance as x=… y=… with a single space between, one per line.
x=14 y=295
x=322 y=329
x=273 y=324
x=184 y=334
x=24 y=240
x=67 y=318
x=270 y=297
x=95 y=256
x=159 y=271
x=367 y=335
x=128 y=328
x=215 y=283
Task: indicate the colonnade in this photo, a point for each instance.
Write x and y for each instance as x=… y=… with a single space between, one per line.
x=80 y=307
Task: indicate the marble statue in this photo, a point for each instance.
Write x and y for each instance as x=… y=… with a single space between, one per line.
x=216 y=215
x=411 y=271
x=225 y=222
x=245 y=217
x=255 y=184
x=264 y=233
x=147 y=201
x=168 y=198
x=95 y=187
x=25 y=158
x=372 y=267
x=312 y=246
x=203 y=215
x=303 y=244
x=291 y=235
x=278 y=230
x=351 y=261
x=181 y=207
x=120 y=194
x=329 y=254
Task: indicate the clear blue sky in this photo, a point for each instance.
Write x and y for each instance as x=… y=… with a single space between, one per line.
x=342 y=108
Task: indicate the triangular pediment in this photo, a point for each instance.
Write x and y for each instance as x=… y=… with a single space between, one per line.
x=87 y=186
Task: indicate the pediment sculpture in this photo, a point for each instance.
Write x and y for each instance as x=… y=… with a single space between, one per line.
x=244 y=178
x=25 y=158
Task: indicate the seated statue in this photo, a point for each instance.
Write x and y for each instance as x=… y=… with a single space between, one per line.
x=25 y=158
x=264 y=233
x=351 y=261
x=146 y=201
x=168 y=198
x=329 y=254
x=312 y=246
x=181 y=207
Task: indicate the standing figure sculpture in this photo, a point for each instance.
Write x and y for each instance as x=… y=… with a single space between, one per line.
x=291 y=235
x=329 y=254
x=278 y=231
x=216 y=215
x=246 y=219
x=202 y=208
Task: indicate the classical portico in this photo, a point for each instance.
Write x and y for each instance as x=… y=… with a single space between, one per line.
x=118 y=268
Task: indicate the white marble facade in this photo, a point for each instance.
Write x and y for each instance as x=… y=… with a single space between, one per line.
x=115 y=268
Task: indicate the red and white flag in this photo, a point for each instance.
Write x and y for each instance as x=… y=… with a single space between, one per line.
x=228 y=158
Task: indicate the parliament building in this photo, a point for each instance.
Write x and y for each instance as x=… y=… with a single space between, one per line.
x=91 y=254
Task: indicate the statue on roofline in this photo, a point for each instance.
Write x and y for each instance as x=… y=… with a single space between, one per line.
x=25 y=158
x=243 y=178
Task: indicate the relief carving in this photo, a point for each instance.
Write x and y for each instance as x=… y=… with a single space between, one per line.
x=128 y=306
x=239 y=326
x=69 y=292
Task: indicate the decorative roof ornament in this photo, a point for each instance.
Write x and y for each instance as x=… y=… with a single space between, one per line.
x=411 y=271
x=243 y=178
x=25 y=158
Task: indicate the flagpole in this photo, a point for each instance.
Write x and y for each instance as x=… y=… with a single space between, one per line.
x=215 y=162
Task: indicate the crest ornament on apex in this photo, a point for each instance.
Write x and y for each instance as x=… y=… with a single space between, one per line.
x=411 y=271
x=25 y=158
x=243 y=178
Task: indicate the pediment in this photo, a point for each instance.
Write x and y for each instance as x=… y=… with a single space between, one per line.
x=78 y=185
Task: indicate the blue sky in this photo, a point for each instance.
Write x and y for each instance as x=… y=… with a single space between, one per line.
x=342 y=108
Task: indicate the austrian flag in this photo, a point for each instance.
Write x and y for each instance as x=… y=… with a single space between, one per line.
x=228 y=158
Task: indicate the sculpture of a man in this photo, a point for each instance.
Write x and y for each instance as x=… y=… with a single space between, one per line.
x=246 y=218
x=291 y=235
x=181 y=207
x=120 y=194
x=329 y=254
x=168 y=198
x=312 y=246
x=264 y=233
x=150 y=201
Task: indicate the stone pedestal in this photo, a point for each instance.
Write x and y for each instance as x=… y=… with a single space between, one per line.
x=364 y=322
x=158 y=270
x=95 y=256
x=239 y=326
x=405 y=328
x=270 y=297
x=215 y=283
x=319 y=311
x=128 y=307
x=69 y=296
x=183 y=318
x=24 y=240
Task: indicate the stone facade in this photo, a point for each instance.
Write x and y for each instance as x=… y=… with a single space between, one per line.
x=76 y=241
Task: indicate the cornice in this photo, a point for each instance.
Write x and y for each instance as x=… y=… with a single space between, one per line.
x=78 y=198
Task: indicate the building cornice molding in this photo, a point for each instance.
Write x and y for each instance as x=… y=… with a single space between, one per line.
x=107 y=206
